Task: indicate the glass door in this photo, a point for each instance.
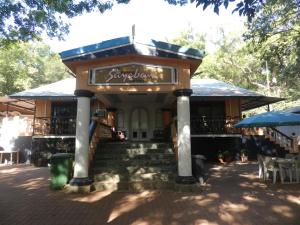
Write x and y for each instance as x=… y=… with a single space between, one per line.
x=139 y=125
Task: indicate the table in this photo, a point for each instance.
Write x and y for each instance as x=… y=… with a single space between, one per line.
x=11 y=155
x=289 y=165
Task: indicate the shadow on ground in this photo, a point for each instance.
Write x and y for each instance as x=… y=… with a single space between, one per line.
x=233 y=195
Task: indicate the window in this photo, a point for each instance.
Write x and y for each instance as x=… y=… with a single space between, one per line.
x=63 y=119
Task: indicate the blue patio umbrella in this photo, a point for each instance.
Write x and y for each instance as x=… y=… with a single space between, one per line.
x=270 y=119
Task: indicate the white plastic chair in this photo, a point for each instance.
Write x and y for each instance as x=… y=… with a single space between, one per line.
x=260 y=160
x=269 y=165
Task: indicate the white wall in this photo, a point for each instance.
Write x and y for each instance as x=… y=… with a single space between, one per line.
x=12 y=127
x=288 y=130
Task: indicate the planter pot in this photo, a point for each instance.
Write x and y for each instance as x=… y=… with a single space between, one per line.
x=244 y=158
x=221 y=160
x=228 y=158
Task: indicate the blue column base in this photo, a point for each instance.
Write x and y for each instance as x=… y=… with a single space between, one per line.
x=81 y=181
x=185 y=180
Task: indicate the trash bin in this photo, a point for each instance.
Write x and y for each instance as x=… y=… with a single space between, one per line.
x=198 y=169
x=61 y=170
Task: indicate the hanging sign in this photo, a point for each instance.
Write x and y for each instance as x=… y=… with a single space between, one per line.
x=133 y=74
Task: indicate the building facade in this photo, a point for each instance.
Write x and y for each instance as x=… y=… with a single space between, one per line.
x=125 y=90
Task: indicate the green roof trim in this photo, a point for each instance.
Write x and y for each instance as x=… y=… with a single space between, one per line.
x=126 y=41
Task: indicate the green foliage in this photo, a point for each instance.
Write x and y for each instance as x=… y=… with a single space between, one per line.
x=28 y=65
x=190 y=39
x=233 y=62
x=244 y=151
x=275 y=33
x=28 y=19
x=243 y=7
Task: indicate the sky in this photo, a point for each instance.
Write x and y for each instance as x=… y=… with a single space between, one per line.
x=153 y=19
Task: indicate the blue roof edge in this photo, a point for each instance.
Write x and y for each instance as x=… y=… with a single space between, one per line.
x=178 y=49
x=117 y=42
x=96 y=47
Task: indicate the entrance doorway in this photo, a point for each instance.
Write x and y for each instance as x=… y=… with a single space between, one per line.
x=139 y=125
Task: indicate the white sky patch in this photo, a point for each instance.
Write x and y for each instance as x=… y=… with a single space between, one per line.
x=153 y=19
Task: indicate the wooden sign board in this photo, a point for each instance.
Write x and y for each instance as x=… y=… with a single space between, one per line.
x=133 y=74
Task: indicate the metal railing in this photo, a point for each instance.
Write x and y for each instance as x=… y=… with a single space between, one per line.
x=288 y=143
x=54 y=126
x=214 y=125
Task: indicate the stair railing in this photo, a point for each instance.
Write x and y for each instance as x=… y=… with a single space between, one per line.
x=93 y=138
x=174 y=137
x=98 y=131
x=288 y=143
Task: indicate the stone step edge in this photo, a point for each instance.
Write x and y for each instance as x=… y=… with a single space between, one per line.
x=172 y=186
x=134 y=178
x=109 y=153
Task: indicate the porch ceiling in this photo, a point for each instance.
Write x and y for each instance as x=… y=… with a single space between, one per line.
x=141 y=98
x=24 y=106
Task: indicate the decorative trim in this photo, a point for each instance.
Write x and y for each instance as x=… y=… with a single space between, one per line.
x=185 y=180
x=81 y=181
x=83 y=93
x=183 y=92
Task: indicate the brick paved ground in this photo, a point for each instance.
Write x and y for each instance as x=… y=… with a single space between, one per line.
x=233 y=196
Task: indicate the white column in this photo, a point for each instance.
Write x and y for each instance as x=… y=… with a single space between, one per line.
x=82 y=138
x=184 y=137
x=81 y=176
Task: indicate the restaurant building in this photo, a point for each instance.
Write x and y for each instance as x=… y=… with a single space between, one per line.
x=139 y=92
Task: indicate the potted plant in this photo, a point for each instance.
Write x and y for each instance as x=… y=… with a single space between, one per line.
x=220 y=157
x=227 y=156
x=244 y=155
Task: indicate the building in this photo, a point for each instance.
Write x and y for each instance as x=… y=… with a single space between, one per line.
x=144 y=92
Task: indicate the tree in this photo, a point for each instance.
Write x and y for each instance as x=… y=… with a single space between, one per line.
x=234 y=62
x=275 y=34
x=243 y=7
x=28 y=19
x=190 y=39
x=28 y=65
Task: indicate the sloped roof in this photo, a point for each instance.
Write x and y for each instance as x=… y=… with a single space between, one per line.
x=215 y=89
x=63 y=88
x=125 y=45
x=203 y=89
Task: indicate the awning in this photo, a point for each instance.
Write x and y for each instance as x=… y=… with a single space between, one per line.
x=8 y=105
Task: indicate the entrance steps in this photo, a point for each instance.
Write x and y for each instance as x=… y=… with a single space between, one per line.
x=135 y=166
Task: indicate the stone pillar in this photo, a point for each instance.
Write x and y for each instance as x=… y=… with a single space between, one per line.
x=184 y=137
x=81 y=178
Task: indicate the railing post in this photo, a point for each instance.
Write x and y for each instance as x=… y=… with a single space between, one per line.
x=294 y=145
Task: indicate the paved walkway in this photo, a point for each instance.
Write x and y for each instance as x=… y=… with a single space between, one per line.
x=232 y=196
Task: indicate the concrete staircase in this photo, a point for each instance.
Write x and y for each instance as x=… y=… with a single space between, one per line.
x=134 y=166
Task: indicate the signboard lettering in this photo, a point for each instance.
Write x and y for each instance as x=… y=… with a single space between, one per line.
x=133 y=74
